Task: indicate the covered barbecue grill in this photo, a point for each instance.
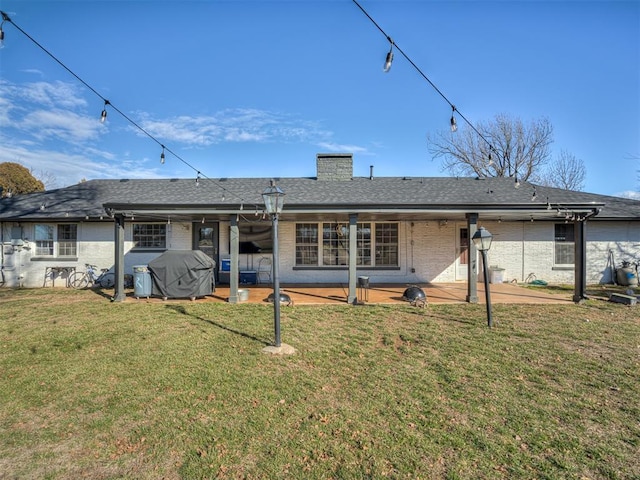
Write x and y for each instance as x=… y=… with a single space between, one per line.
x=182 y=273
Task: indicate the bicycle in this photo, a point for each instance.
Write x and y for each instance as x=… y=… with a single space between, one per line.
x=80 y=280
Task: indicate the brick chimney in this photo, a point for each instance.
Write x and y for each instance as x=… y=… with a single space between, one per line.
x=334 y=166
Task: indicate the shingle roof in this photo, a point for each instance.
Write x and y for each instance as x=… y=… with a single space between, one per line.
x=89 y=198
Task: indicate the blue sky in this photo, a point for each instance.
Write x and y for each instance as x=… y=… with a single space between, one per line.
x=257 y=88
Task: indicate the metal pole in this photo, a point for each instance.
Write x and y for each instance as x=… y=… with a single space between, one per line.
x=276 y=282
x=486 y=288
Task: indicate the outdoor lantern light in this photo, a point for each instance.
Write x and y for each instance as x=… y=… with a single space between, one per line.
x=482 y=240
x=273 y=198
x=273 y=201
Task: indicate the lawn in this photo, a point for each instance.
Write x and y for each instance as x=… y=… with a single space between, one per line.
x=148 y=390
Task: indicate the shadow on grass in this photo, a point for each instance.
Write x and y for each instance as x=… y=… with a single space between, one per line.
x=181 y=310
x=107 y=294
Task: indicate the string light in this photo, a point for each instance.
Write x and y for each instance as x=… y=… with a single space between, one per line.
x=198 y=179
x=103 y=115
x=162 y=155
x=389 y=60
x=534 y=195
x=5 y=17
x=454 y=125
x=433 y=85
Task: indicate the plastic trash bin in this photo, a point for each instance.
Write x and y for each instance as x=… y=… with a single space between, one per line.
x=141 y=281
x=496 y=275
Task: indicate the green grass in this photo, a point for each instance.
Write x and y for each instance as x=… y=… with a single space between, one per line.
x=92 y=389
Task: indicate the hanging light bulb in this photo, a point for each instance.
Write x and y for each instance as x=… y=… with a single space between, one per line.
x=5 y=18
x=535 y=195
x=517 y=185
x=454 y=125
x=198 y=180
x=162 y=156
x=103 y=115
x=389 y=59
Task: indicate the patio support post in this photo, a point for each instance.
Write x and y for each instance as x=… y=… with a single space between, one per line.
x=118 y=236
x=353 y=255
x=580 y=269
x=472 y=263
x=234 y=274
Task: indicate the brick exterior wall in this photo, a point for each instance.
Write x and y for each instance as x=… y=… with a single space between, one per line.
x=427 y=247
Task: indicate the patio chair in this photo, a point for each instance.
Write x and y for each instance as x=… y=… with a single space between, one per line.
x=264 y=270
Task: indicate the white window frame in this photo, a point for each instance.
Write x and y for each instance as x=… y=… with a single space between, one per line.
x=559 y=244
x=331 y=245
x=154 y=240
x=51 y=245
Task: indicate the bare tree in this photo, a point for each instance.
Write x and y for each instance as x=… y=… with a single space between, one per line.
x=506 y=147
x=566 y=171
x=47 y=178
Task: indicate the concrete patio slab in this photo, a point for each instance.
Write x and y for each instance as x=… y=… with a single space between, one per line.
x=439 y=293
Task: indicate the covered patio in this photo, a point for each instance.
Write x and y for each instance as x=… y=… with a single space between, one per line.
x=386 y=294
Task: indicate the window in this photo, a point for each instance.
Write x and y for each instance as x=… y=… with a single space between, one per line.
x=61 y=241
x=306 y=244
x=387 y=244
x=150 y=235
x=364 y=244
x=564 y=244
x=333 y=248
x=335 y=244
x=67 y=240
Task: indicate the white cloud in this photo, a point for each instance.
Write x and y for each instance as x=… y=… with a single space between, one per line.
x=60 y=124
x=233 y=125
x=339 y=147
x=57 y=94
x=629 y=194
x=68 y=168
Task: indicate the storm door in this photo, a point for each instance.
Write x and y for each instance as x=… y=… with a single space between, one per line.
x=462 y=253
x=205 y=238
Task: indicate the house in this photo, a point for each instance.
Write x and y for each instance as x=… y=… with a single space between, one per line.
x=334 y=228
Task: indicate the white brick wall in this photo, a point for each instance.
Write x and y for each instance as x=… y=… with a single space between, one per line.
x=521 y=248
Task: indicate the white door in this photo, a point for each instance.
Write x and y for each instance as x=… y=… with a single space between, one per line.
x=462 y=252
